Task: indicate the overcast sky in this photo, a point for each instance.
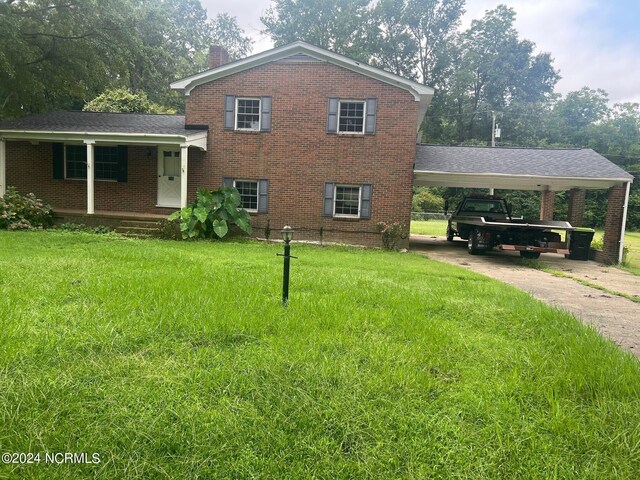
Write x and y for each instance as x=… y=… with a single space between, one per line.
x=594 y=43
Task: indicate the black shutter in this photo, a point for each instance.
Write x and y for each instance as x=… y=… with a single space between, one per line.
x=370 y=122
x=227 y=181
x=329 y=188
x=265 y=121
x=229 y=112
x=58 y=160
x=263 y=196
x=365 y=200
x=332 y=114
x=123 y=163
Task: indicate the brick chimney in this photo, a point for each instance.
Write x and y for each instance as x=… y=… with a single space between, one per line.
x=217 y=56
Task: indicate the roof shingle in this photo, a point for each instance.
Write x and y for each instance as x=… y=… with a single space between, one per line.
x=94 y=122
x=538 y=162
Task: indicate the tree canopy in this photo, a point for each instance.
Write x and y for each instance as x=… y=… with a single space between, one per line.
x=57 y=54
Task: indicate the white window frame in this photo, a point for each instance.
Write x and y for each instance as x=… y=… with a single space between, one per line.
x=335 y=199
x=251 y=210
x=238 y=99
x=364 y=116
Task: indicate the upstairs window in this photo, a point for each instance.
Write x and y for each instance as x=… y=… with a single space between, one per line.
x=351 y=119
x=355 y=117
x=248 y=114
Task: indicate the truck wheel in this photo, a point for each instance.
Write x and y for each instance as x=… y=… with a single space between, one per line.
x=532 y=255
x=449 y=234
x=472 y=243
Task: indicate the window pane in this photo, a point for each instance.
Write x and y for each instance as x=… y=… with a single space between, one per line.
x=76 y=161
x=347 y=200
x=351 y=117
x=248 y=114
x=248 y=194
x=106 y=159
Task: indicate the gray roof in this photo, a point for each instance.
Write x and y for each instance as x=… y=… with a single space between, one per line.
x=535 y=162
x=94 y=122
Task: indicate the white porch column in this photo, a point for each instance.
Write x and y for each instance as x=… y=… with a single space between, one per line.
x=3 y=166
x=90 y=177
x=625 y=209
x=184 y=153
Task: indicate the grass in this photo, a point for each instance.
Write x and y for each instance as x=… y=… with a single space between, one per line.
x=177 y=360
x=429 y=227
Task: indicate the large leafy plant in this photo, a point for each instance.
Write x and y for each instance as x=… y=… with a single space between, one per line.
x=212 y=214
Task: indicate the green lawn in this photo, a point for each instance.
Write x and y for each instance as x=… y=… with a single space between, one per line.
x=429 y=227
x=177 y=360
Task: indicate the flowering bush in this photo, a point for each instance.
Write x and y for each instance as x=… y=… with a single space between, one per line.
x=18 y=212
x=391 y=233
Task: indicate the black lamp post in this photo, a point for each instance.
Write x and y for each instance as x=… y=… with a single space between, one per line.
x=287 y=236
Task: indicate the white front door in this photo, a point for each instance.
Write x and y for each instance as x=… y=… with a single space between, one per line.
x=169 y=177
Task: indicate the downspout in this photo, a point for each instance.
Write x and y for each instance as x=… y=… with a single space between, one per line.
x=624 y=222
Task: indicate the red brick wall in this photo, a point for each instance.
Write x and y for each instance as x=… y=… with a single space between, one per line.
x=30 y=169
x=575 y=214
x=613 y=225
x=298 y=156
x=547 y=203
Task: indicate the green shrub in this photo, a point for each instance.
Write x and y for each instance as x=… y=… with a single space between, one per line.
x=391 y=233
x=424 y=200
x=213 y=212
x=23 y=212
x=81 y=227
x=169 y=230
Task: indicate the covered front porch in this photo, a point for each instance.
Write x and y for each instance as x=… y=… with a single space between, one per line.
x=134 y=163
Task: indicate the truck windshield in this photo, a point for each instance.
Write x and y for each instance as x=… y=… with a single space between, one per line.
x=484 y=206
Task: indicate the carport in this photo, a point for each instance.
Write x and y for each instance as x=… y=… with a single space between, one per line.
x=542 y=169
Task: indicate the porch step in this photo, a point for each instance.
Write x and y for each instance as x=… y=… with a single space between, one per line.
x=138 y=228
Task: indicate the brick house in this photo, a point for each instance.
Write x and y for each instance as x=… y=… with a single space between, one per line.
x=309 y=138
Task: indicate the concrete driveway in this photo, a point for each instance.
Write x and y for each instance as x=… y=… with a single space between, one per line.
x=612 y=315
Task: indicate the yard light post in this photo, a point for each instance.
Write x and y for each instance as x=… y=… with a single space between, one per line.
x=287 y=236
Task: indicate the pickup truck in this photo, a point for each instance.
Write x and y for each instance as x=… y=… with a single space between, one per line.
x=486 y=223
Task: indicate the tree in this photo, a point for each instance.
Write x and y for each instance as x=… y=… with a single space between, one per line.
x=56 y=54
x=121 y=100
x=414 y=37
x=341 y=26
x=574 y=114
x=495 y=71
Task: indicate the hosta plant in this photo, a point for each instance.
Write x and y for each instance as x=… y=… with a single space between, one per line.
x=212 y=214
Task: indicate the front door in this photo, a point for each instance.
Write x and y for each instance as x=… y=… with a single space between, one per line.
x=168 y=177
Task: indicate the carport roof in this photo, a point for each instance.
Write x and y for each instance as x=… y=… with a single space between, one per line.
x=515 y=168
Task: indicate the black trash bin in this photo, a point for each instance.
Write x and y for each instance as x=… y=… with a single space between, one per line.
x=580 y=243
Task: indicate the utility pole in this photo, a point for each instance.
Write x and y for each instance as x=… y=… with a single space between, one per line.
x=493 y=129
x=493 y=140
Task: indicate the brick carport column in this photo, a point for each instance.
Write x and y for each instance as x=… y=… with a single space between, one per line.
x=614 y=223
x=575 y=215
x=547 y=203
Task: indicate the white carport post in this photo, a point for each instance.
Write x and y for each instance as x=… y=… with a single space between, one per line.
x=625 y=209
x=3 y=167
x=184 y=153
x=90 y=177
